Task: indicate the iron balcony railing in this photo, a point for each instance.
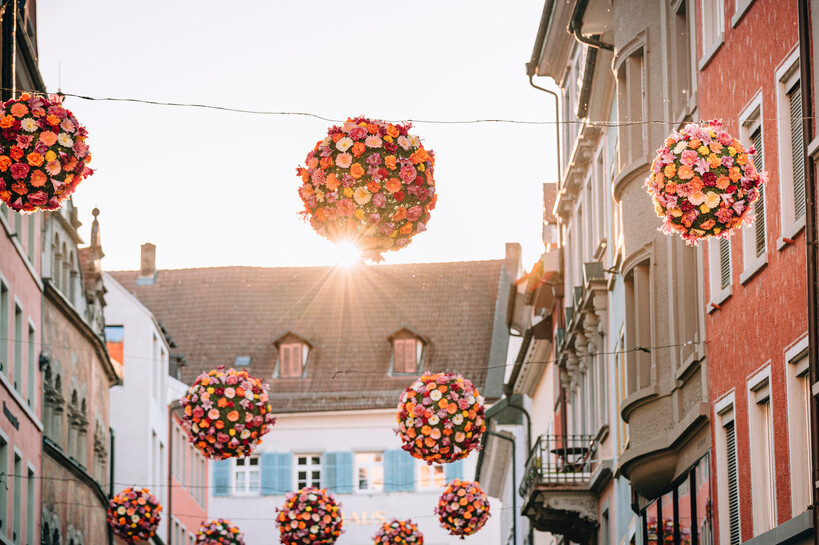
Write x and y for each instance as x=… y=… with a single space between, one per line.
x=560 y=460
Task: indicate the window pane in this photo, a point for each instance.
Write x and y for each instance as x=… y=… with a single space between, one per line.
x=254 y=481
x=650 y=522
x=316 y=460
x=240 y=481
x=362 y=478
x=240 y=461
x=302 y=460
x=316 y=478
x=254 y=461
x=668 y=518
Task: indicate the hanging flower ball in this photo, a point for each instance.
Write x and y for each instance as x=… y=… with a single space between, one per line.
x=463 y=508
x=440 y=418
x=133 y=514
x=226 y=413
x=399 y=532
x=703 y=182
x=369 y=182
x=309 y=516
x=43 y=155
x=219 y=532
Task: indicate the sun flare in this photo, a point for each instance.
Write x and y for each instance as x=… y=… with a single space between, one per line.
x=346 y=254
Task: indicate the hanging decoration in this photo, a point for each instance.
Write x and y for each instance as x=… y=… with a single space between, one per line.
x=310 y=516
x=463 y=508
x=44 y=155
x=440 y=418
x=703 y=182
x=371 y=183
x=133 y=514
x=226 y=413
x=398 y=532
x=219 y=532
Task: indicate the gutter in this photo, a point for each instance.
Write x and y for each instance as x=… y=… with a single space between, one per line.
x=585 y=89
x=576 y=27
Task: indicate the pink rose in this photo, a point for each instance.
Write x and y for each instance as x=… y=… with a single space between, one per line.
x=19 y=171
x=357 y=132
x=408 y=174
x=38 y=198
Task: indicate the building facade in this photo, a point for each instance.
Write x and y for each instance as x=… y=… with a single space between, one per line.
x=337 y=347
x=760 y=387
x=77 y=374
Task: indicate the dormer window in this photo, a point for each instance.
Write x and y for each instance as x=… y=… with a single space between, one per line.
x=407 y=352
x=293 y=354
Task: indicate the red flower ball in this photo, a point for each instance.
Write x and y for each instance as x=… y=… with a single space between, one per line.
x=310 y=516
x=43 y=154
x=226 y=413
x=440 y=418
x=133 y=514
x=219 y=532
x=398 y=532
x=463 y=508
x=369 y=182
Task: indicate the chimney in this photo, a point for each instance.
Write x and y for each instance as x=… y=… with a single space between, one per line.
x=147 y=269
x=513 y=259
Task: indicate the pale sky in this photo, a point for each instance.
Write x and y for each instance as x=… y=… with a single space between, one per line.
x=216 y=188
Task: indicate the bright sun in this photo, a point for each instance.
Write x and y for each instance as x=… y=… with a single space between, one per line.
x=346 y=254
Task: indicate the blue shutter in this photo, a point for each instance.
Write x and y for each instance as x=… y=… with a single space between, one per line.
x=407 y=470
x=221 y=477
x=277 y=474
x=344 y=472
x=454 y=470
x=268 y=462
x=329 y=470
x=392 y=471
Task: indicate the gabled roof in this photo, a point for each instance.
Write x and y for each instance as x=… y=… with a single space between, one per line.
x=217 y=314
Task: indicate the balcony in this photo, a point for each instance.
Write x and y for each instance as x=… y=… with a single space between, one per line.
x=558 y=486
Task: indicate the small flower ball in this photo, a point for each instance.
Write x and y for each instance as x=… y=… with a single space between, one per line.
x=310 y=516
x=133 y=514
x=398 y=532
x=463 y=508
x=703 y=182
x=371 y=183
x=43 y=154
x=226 y=413
x=440 y=418
x=219 y=532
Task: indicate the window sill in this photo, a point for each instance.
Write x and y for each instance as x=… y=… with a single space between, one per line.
x=740 y=12
x=719 y=298
x=791 y=232
x=709 y=52
x=753 y=267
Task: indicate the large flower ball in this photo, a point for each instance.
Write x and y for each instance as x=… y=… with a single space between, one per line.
x=440 y=418
x=369 y=182
x=226 y=413
x=463 y=508
x=219 y=532
x=43 y=155
x=398 y=532
x=310 y=516
x=703 y=182
x=133 y=514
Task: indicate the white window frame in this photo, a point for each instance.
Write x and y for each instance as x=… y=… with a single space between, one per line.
x=750 y=119
x=740 y=9
x=370 y=465
x=308 y=467
x=246 y=470
x=723 y=415
x=711 y=44
x=786 y=76
x=426 y=475
x=716 y=292
x=799 y=445
x=763 y=484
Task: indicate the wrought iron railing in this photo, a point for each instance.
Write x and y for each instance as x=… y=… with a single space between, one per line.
x=560 y=460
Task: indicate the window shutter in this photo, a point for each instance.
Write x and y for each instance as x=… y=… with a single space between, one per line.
x=410 y=357
x=268 y=463
x=797 y=151
x=454 y=470
x=406 y=464
x=759 y=205
x=344 y=472
x=296 y=360
x=277 y=473
x=330 y=471
x=399 y=356
x=221 y=477
x=733 y=487
x=291 y=364
x=392 y=473
x=724 y=263
x=285 y=363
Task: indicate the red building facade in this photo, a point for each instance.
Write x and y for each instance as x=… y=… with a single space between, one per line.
x=756 y=298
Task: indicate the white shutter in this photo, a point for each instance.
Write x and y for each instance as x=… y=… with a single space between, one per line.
x=733 y=483
x=724 y=263
x=797 y=150
x=759 y=205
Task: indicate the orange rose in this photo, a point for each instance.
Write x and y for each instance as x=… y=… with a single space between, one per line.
x=219 y=424
x=405 y=229
x=742 y=158
x=358 y=149
x=694 y=144
x=415 y=158
x=696 y=184
x=5 y=163
x=336 y=137
x=714 y=160
x=372 y=128
x=734 y=174
x=390 y=161
x=53 y=120
x=233 y=416
x=392 y=185
x=326 y=162
x=670 y=170
x=393 y=131
x=425 y=430
x=34 y=159
x=723 y=182
x=6 y=122
x=222 y=403
x=400 y=213
x=670 y=188
x=356 y=170
x=16 y=153
x=374 y=186
x=20 y=188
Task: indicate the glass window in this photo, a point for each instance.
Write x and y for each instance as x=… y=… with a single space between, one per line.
x=246 y=475
x=370 y=471
x=431 y=476
x=308 y=470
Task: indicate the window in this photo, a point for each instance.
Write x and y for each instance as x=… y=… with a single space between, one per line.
x=18 y=347
x=17 y=507
x=638 y=326
x=290 y=360
x=308 y=470
x=719 y=269
x=246 y=475
x=405 y=355
x=431 y=476
x=679 y=48
x=759 y=205
x=115 y=341
x=370 y=471
x=31 y=220
x=631 y=105
x=727 y=472
x=4 y=327
x=798 y=389
x=4 y=491
x=30 y=506
x=797 y=147
x=32 y=367
x=754 y=244
x=791 y=148
x=155 y=368
x=242 y=361
x=712 y=28
x=622 y=391
x=760 y=423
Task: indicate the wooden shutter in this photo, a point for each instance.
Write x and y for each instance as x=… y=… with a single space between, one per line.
x=221 y=477
x=797 y=150
x=406 y=360
x=291 y=364
x=724 y=263
x=733 y=484
x=759 y=205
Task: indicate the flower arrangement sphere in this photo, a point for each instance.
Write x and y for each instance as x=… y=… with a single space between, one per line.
x=703 y=182
x=369 y=182
x=310 y=516
x=463 y=508
x=226 y=413
x=219 y=532
x=44 y=155
x=133 y=514
x=440 y=418
x=398 y=532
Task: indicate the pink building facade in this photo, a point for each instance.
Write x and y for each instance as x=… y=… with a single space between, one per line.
x=188 y=507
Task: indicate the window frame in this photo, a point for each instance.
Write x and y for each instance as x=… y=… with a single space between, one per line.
x=750 y=119
x=724 y=416
x=716 y=293
x=787 y=74
x=235 y=469
x=762 y=455
x=359 y=466
x=711 y=44
x=304 y=353
x=308 y=470
x=429 y=482
x=798 y=393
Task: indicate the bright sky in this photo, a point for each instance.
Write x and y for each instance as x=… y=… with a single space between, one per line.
x=217 y=188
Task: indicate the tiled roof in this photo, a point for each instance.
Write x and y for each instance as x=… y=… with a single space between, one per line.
x=347 y=315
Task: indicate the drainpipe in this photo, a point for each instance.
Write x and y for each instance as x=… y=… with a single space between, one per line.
x=514 y=483
x=170 y=469
x=811 y=249
x=530 y=70
x=576 y=27
x=111 y=482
